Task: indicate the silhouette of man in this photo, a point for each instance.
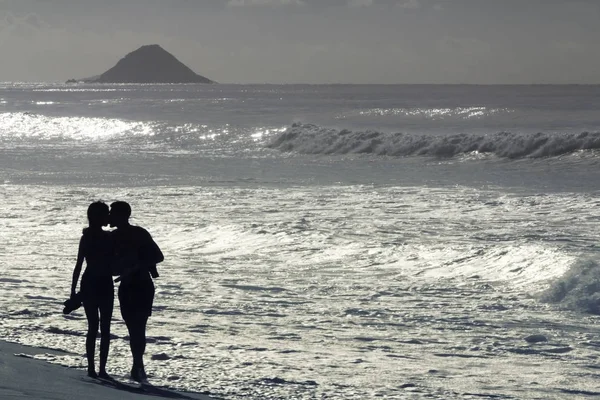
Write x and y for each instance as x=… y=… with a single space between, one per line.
x=137 y=255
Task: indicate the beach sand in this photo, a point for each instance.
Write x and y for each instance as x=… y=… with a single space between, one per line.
x=23 y=377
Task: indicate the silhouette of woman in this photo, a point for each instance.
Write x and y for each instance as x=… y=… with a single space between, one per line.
x=97 y=289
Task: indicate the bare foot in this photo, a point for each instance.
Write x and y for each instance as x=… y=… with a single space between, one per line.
x=104 y=375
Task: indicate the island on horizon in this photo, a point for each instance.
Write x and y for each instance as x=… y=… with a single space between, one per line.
x=148 y=64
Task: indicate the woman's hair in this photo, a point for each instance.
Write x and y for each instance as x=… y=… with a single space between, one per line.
x=97 y=214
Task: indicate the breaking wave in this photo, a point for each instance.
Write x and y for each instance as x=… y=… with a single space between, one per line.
x=578 y=289
x=312 y=139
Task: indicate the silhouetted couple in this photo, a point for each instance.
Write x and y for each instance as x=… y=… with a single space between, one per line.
x=129 y=252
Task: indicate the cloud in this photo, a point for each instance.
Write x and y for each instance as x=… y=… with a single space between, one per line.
x=360 y=3
x=24 y=26
x=239 y=3
x=569 y=46
x=34 y=20
x=409 y=4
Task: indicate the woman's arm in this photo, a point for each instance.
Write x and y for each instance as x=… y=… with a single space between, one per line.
x=78 y=265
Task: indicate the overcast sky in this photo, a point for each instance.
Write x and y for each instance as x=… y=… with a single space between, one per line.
x=310 y=41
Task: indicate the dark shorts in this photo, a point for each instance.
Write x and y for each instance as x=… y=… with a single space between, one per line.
x=136 y=298
x=97 y=291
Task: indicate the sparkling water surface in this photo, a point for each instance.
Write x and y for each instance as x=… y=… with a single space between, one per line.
x=330 y=273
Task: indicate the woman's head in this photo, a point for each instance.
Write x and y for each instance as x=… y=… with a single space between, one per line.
x=97 y=214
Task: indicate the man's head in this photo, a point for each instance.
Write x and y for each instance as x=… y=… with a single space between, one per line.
x=120 y=212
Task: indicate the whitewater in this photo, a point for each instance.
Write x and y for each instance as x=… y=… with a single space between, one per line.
x=320 y=241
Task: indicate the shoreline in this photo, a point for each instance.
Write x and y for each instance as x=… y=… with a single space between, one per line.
x=24 y=377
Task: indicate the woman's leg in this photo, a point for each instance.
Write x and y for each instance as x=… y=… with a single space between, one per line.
x=91 y=312
x=106 y=310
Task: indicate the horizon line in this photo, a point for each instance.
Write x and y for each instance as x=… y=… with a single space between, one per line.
x=315 y=84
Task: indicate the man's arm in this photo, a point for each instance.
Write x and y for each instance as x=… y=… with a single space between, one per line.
x=151 y=252
x=155 y=251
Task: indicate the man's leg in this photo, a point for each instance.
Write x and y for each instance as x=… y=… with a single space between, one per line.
x=136 y=306
x=128 y=313
x=137 y=343
x=146 y=293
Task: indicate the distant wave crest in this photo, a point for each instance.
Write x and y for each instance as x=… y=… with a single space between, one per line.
x=312 y=139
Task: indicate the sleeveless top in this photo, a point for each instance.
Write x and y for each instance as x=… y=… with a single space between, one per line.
x=97 y=250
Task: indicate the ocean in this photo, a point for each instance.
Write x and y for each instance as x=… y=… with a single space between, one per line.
x=320 y=241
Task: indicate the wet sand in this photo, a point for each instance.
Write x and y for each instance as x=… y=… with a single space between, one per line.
x=24 y=377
